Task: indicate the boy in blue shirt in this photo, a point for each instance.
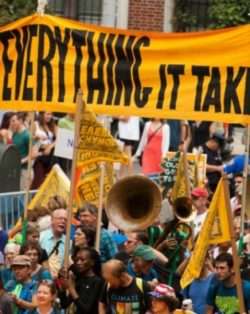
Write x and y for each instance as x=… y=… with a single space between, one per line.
x=222 y=295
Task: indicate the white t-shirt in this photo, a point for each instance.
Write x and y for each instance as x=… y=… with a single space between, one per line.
x=129 y=130
x=198 y=222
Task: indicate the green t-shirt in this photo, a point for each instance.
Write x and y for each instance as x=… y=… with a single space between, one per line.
x=224 y=299
x=21 y=140
x=66 y=123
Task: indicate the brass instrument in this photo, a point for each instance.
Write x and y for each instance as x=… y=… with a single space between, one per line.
x=133 y=203
x=183 y=209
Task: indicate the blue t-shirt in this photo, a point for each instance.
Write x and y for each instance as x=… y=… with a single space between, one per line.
x=197 y=291
x=27 y=291
x=42 y=274
x=149 y=276
x=235 y=165
x=225 y=300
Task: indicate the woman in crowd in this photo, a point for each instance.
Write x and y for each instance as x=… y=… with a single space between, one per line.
x=129 y=135
x=164 y=300
x=11 y=250
x=84 y=237
x=5 y=130
x=34 y=252
x=45 y=298
x=82 y=286
x=45 y=135
x=153 y=147
x=32 y=236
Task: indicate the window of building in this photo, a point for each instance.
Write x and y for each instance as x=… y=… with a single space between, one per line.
x=89 y=11
x=56 y=7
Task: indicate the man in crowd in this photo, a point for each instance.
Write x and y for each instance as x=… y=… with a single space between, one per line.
x=123 y=294
x=88 y=217
x=200 y=201
x=213 y=150
x=238 y=188
x=53 y=240
x=22 y=287
x=135 y=239
x=21 y=139
x=141 y=264
x=222 y=296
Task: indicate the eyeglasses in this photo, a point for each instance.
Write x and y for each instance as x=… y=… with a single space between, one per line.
x=237 y=182
x=131 y=241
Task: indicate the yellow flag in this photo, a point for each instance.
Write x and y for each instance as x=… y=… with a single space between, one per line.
x=56 y=183
x=208 y=235
x=220 y=232
x=180 y=188
x=88 y=187
x=96 y=143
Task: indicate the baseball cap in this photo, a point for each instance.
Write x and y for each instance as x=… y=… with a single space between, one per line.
x=145 y=252
x=119 y=238
x=199 y=192
x=163 y=291
x=219 y=138
x=21 y=260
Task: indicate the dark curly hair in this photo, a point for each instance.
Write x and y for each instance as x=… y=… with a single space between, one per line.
x=94 y=257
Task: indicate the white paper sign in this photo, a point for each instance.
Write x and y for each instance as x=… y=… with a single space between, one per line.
x=64 y=143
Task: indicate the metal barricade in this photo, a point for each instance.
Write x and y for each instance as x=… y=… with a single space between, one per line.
x=12 y=207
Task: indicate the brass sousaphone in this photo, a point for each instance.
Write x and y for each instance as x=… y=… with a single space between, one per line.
x=133 y=203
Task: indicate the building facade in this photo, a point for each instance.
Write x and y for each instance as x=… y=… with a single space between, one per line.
x=148 y=15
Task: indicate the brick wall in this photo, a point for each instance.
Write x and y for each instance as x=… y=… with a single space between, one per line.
x=146 y=15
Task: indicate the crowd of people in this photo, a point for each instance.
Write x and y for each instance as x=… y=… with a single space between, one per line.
x=132 y=272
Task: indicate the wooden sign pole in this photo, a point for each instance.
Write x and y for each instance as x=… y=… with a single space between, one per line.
x=29 y=168
x=100 y=207
x=80 y=107
x=245 y=178
x=234 y=248
x=186 y=177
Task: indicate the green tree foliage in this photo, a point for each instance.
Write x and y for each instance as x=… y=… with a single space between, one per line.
x=211 y=14
x=184 y=18
x=11 y=10
x=225 y=13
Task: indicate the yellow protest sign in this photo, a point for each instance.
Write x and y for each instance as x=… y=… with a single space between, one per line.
x=88 y=186
x=96 y=143
x=44 y=60
x=196 y=172
x=56 y=183
x=207 y=235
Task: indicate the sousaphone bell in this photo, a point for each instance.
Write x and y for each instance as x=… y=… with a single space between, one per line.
x=133 y=203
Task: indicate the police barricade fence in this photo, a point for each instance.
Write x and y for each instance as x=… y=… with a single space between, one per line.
x=12 y=207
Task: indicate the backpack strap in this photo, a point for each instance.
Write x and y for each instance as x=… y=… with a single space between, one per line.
x=55 y=248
